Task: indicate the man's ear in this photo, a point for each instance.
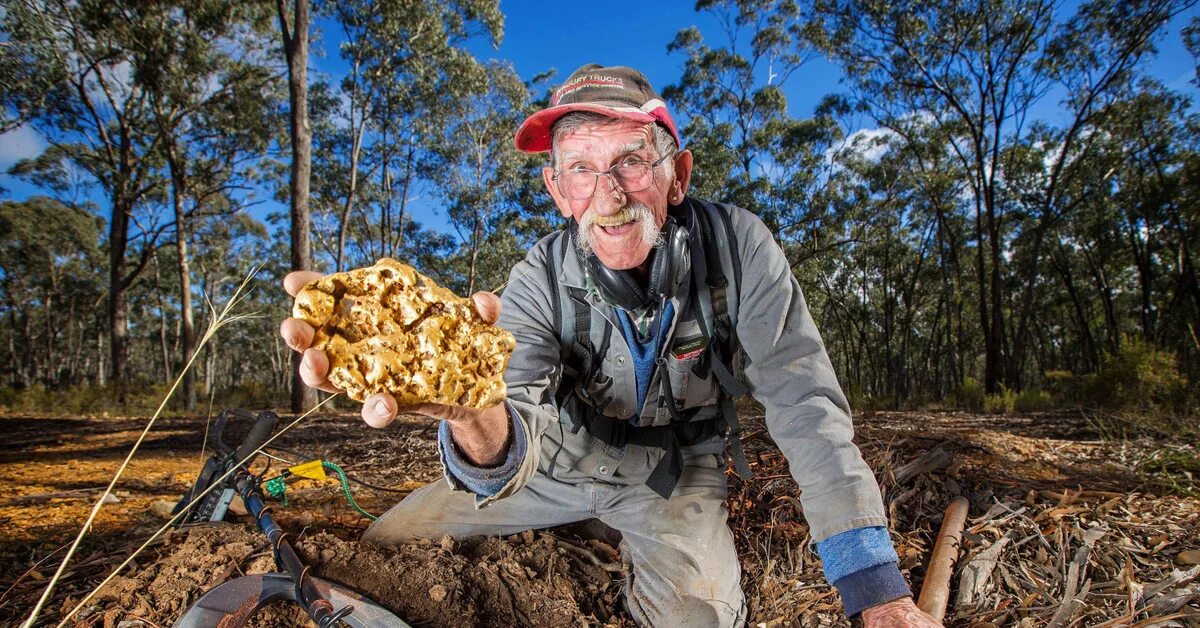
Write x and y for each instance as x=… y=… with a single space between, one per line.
x=683 y=175
x=548 y=177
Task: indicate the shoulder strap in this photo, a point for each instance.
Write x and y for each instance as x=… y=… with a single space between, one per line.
x=562 y=306
x=573 y=319
x=717 y=318
x=554 y=267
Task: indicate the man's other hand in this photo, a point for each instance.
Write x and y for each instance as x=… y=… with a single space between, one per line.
x=901 y=613
x=381 y=409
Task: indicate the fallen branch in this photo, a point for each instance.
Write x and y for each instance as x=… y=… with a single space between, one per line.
x=937 y=458
x=41 y=498
x=589 y=556
x=1173 y=600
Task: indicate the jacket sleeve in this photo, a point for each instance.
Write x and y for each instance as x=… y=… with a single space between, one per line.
x=789 y=372
x=535 y=368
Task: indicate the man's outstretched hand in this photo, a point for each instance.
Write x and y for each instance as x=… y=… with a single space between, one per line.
x=481 y=435
x=901 y=613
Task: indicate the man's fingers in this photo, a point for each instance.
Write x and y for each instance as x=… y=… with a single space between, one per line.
x=488 y=306
x=379 y=410
x=296 y=333
x=314 y=370
x=294 y=281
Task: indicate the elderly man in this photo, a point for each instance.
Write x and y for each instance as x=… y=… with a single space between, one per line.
x=619 y=391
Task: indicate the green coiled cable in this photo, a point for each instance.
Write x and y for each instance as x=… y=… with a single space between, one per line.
x=346 y=489
x=277 y=487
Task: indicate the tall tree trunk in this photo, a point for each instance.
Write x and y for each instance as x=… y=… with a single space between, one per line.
x=1091 y=354
x=352 y=190
x=118 y=323
x=101 y=367
x=179 y=191
x=295 y=46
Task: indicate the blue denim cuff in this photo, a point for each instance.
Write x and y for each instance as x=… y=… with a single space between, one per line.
x=483 y=481
x=871 y=587
x=854 y=550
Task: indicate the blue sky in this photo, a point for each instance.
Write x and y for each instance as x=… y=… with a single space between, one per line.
x=538 y=38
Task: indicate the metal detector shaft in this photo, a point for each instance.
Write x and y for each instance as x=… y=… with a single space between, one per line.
x=307 y=594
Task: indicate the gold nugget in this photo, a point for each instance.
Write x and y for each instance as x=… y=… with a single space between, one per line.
x=388 y=328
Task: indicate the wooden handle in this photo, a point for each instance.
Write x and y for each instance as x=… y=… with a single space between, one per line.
x=935 y=591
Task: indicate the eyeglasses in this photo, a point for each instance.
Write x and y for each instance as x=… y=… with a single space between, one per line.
x=630 y=175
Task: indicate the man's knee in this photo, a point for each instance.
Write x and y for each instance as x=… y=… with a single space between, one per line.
x=420 y=515
x=693 y=585
x=705 y=602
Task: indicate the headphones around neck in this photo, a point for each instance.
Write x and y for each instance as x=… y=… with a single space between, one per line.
x=622 y=289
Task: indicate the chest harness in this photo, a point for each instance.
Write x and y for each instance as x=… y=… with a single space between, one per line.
x=581 y=359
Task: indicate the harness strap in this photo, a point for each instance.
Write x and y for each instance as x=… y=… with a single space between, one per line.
x=671 y=437
x=566 y=336
x=717 y=338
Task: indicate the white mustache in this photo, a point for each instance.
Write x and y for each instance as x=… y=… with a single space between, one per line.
x=636 y=212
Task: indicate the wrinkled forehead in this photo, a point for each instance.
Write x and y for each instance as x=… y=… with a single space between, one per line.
x=608 y=135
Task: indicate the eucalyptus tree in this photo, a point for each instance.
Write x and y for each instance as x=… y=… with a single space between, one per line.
x=407 y=62
x=95 y=116
x=50 y=289
x=749 y=150
x=249 y=354
x=1134 y=204
x=477 y=170
x=978 y=69
x=205 y=68
x=294 y=23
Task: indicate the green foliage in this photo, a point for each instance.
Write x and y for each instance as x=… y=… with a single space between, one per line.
x=1064 y=387
x=748 y=149
x=927 y=271
x=1173 y=470
x=1002 y=402
x=81 y=400
x=1139 y=377
x=1034 y=400
x=970 y=395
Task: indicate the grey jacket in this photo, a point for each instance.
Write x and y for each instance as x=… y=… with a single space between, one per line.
x=787 y=370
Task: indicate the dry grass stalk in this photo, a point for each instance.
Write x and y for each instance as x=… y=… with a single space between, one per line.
x=219 y=320
x=182 y=511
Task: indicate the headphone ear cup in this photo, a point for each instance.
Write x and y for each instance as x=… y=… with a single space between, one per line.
x=668 y=261
x=660 y=274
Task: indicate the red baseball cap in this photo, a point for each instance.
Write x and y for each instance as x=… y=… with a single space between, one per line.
x=618 y=92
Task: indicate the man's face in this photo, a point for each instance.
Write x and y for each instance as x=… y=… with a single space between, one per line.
x=617 y=222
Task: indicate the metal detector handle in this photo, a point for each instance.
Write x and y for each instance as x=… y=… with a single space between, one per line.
x=216 y=440
x=263 y=427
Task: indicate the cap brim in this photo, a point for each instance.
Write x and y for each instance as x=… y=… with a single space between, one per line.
x=534 y=134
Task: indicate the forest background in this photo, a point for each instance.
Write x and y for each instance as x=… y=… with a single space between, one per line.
x=995 y=207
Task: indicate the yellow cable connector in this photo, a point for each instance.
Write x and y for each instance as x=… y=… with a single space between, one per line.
x=313 y=470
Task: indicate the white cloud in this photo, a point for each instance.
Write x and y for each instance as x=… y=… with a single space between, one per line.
x=20 y=143
x=871 y=144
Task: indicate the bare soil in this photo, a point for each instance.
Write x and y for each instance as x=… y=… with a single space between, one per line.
x=52 y=469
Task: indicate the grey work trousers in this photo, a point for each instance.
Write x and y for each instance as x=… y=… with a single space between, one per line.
x=685 y=569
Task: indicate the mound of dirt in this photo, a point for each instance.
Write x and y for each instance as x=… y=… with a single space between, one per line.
x=189 y=565
x=528 y=580
x=532 y=579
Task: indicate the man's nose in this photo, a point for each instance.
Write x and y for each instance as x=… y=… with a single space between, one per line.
x=608 y=190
